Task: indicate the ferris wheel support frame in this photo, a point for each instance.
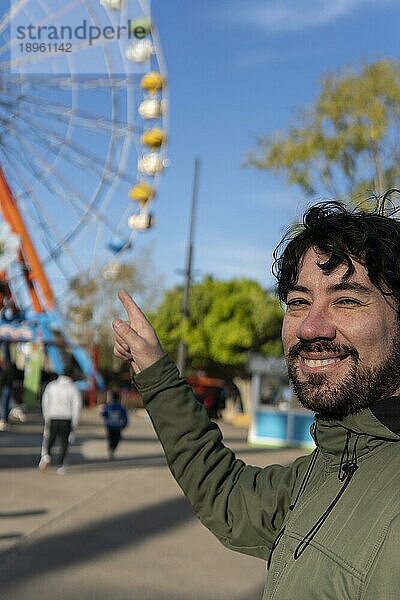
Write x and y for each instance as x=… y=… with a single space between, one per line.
x=35 y=276
x=32 y=267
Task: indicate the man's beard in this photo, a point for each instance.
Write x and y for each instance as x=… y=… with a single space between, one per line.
x=359 y=389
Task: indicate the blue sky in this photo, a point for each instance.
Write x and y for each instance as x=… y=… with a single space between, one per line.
x=237 y=70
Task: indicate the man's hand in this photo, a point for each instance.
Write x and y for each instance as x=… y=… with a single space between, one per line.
x=135 y=339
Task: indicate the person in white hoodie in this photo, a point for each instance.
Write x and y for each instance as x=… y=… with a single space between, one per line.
x=61 y=407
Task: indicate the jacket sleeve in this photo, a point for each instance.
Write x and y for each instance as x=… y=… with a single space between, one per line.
x=244 y=506
x=76 y=406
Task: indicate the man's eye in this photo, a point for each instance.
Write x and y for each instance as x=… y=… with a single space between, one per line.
x=348 y=301
x=297 y=303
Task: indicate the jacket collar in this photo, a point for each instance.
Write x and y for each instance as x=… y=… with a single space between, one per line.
x=374 y=426
x=387 y=411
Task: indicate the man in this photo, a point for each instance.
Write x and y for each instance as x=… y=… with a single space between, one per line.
x=329 y=524
x=61 y=406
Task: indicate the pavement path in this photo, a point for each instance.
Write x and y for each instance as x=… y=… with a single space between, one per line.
x=118 y=530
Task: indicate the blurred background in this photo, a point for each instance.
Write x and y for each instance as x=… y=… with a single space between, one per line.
x=168 y=154
x=172 y=166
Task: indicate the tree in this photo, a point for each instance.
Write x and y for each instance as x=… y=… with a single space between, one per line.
x=346 y=145
x=94 y=303
x=227 y=319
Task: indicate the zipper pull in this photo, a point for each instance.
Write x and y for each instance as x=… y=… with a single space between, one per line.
x=314 y=430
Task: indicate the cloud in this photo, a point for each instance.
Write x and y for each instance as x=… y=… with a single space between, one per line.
x=278 y=16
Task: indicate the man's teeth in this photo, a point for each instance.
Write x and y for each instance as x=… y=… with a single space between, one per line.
x=320 y=362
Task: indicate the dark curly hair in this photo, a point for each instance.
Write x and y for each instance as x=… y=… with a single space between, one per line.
x=371 y=238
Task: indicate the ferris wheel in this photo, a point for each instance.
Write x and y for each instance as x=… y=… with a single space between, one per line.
x=83 y=131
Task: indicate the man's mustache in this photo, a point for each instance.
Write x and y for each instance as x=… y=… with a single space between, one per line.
x=322 y=346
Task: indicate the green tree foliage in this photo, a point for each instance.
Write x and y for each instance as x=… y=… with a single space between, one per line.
x=227 y=319
x=346 y=144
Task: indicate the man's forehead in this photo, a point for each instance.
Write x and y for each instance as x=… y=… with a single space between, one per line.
x=310 y=269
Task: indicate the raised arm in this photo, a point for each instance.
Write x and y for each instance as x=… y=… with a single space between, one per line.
x=243 y=506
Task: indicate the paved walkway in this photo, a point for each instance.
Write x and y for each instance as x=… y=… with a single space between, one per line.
x=117 y=530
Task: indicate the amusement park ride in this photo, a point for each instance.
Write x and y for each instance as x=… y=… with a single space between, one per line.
x=75 y=151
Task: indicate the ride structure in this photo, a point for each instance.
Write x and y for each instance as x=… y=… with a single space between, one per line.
x=78 y=150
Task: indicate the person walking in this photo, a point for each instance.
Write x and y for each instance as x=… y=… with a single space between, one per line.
x=115 y=420
x=7 y=377
x=61 y=407
x=328 y=525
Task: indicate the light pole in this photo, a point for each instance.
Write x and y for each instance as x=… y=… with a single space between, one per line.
x=182 y=348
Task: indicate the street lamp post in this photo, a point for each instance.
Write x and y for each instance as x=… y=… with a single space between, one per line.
x=182 y=348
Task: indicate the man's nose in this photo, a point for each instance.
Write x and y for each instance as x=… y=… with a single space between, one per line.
x=317 y=324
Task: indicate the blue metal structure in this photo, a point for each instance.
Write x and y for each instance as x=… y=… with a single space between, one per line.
x=45 y=328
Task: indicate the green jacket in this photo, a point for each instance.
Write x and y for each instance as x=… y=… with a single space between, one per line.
x=340 y=540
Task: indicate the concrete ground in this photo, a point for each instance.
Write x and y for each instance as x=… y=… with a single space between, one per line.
x=118 y=530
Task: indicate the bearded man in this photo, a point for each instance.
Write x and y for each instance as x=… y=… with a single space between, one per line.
x=329 y=524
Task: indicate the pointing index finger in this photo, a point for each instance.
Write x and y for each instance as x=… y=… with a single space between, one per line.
x=136 y=318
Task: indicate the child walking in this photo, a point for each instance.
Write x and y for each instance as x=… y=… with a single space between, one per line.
x=115 y=419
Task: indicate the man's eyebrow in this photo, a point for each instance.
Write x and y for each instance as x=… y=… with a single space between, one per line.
x=342 y=286
x=349 y=286
x=299 y=288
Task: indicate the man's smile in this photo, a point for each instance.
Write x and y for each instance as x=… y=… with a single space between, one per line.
x=320 y=363
x=310 y=362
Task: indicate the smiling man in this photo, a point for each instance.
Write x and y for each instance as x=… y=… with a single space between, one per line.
x=341 y=338
x=329 y=524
